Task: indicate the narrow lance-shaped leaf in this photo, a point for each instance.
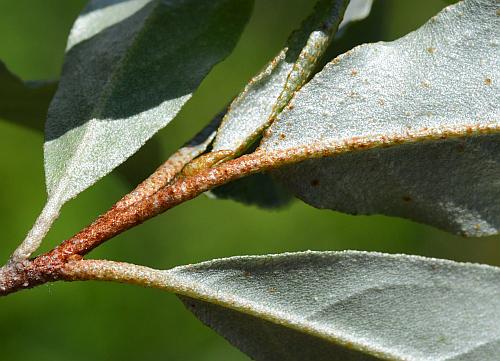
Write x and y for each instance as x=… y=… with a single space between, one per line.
x=25 y=103
x=432 y=98
x=348 y=306
x=266 y=94
x=333 y=305
x=130 y=66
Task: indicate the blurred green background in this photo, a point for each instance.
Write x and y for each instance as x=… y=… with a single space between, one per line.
x=99 y=321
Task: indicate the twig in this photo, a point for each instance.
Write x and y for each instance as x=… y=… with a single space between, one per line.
x=160 y=178
x=48 y=267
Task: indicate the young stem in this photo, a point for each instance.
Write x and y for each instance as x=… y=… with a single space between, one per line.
x=47 y=267
x=119 y=219
x=123 y=215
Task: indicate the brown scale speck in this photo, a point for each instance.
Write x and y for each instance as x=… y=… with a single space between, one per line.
x=315 y=182
x=498 y=12
x=407 y=199
x=354 y=72
x=282 y=136
x=431 y=50
x=487 y=81
x=381 y=101
x=461 y=147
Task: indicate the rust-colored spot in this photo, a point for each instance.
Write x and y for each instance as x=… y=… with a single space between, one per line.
x=487 y=81
x=407 y=199
x=247 y=274
x=315 y=182
x=431 y=50
x=354 y=72
x=381 y=101
x=461 y=147
x=291 y=106
x=282 y=136
x=271 y=290
x=310 y=57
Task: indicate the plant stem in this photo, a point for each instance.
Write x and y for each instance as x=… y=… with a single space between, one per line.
x=48 y=267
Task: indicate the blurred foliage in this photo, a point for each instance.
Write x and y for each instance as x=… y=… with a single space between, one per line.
x=100 y=321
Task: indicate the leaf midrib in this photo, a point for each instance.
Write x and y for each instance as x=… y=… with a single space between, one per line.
x=357 y=144
x=178 y=285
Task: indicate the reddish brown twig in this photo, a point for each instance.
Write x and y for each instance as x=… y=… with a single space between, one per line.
x=119 y=218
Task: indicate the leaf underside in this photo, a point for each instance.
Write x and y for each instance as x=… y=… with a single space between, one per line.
x=259 y=102
x=348 y=306
x=451 y=184
x=427 y=103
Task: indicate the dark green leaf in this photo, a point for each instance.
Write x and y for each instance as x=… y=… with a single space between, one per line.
x=25 y=103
